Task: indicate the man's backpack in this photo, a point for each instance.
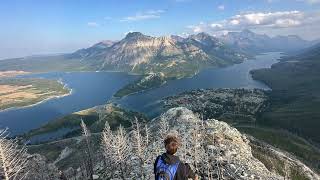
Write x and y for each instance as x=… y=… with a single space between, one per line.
x=165 y=171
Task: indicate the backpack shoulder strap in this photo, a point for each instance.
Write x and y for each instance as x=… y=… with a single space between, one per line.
x=156 y=164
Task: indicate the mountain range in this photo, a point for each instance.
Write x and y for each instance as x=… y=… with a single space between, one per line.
x=249 y=41
x=142 y=54
x=172 y=56
x=160 y=58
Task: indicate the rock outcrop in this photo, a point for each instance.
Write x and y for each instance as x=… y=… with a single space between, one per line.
x=214 y=150
x=230 y=149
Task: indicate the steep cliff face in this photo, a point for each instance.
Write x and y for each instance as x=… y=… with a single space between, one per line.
x=174 y=56
x=136 y=49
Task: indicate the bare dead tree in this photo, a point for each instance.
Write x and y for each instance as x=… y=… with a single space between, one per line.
x=106 y=146
x=137 y=139
x=13 y=158
x=39 y=169
x=147 y=134
x=164 y=128
x=184 y=149
x=140 y=143
x=121 y=152
x=88 y=160
x=116 y=149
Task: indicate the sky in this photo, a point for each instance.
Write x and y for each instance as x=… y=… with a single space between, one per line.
x=32 y=27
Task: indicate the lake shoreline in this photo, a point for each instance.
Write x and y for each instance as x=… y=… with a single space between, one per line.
x=95 y=88
x=42 y=101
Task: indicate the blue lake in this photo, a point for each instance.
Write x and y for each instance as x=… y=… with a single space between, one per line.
x=236 y=76
x=88 y=89
x=95 y=88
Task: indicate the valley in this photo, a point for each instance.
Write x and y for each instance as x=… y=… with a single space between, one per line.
x=173 y=89
x=244 y=109
x=142 y=77
x=295 y=94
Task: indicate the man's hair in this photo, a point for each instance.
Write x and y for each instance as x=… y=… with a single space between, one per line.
x=171 y=143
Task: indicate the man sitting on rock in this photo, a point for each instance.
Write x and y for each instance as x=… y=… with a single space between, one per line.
x=168 y=166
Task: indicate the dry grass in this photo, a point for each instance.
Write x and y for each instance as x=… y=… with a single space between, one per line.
x=11 y=73
x=24 y=92
x=5 y=89
x=18 y=96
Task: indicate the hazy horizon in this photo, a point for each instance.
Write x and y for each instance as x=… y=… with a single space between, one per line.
x=39 y=27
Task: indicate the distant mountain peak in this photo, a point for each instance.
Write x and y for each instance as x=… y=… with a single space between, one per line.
x=104 y=44
x=135 y=35
x=252 y=42
x=177 y=38
x=247 y=31
x=108 y=42
x=203 y=34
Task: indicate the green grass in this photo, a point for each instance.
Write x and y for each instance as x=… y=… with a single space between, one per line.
x=286 y=141
x=90 y=116
x=52 y=150
x=137 y=86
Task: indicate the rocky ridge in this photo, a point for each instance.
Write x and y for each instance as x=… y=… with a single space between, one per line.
x=230 y=152
x=214 y=149
x=227 y=147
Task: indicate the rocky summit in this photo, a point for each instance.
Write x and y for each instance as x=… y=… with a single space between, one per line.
x=227 y=152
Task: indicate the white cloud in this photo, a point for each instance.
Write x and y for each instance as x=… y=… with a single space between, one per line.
x=150 y=14
x=93 y=24
x=275 y=19
x=259 y=20
x=221 y=7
